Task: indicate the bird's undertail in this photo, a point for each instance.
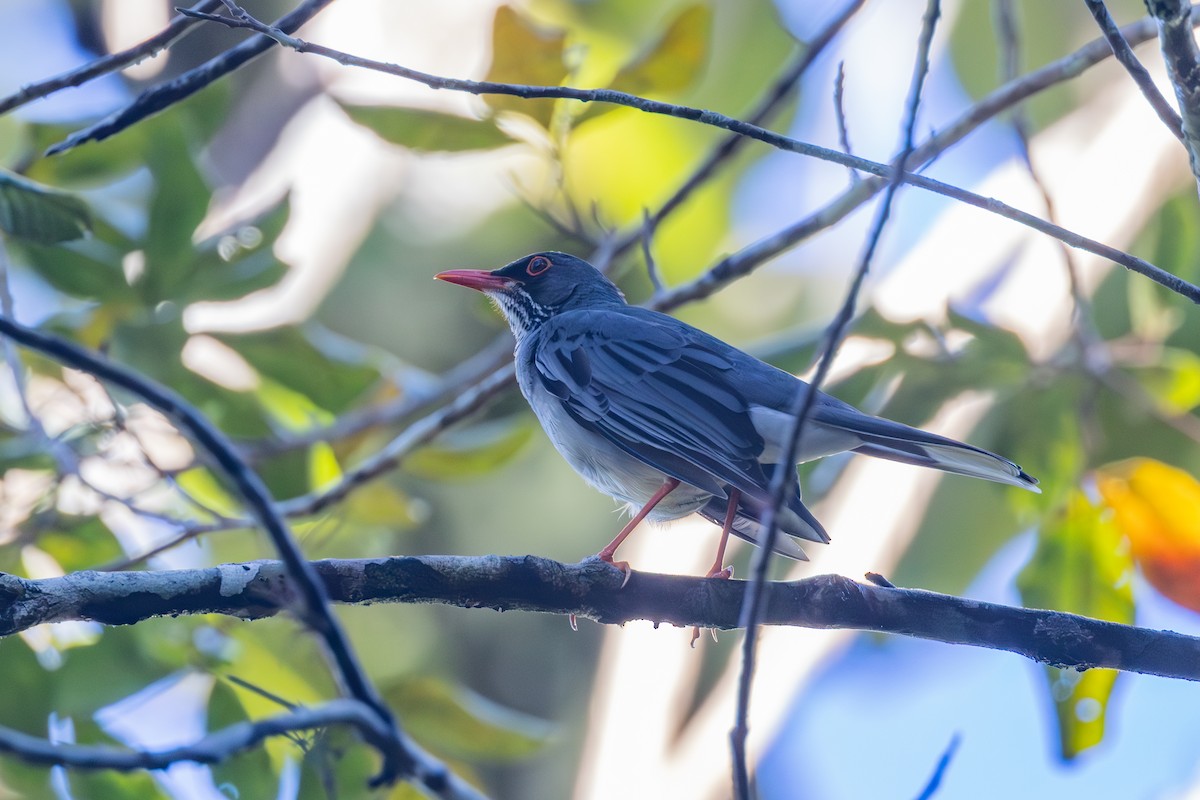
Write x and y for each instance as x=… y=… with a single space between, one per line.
x=795 y=521
x=949 y=456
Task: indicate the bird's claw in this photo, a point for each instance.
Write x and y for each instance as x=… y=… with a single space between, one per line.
x=621 y=565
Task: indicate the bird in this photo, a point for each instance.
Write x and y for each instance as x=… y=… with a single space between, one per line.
x=670 y=420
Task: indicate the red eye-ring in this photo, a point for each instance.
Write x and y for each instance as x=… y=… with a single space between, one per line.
x=537 y=265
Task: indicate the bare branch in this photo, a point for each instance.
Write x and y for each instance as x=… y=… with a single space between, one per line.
x=592 y=589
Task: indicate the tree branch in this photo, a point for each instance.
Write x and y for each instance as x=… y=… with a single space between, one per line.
x=593 y=590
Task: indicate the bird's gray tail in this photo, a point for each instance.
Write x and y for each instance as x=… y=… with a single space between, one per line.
x=795 y=521
x=949 y=456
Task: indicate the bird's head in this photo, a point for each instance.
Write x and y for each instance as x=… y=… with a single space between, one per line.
x=532 y=289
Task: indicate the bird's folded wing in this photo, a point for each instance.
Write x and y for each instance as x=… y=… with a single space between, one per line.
x=657 y=394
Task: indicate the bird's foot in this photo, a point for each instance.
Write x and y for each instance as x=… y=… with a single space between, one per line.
x=607 y=557
x=720 y=573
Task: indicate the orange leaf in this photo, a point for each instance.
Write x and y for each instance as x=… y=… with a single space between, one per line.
x=1157 y=507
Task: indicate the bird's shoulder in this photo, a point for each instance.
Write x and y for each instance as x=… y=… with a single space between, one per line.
x=619 y=326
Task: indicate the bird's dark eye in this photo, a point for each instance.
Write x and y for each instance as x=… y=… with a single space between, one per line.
x=537 y=265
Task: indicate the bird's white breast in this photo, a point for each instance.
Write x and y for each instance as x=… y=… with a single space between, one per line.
x=601 y=463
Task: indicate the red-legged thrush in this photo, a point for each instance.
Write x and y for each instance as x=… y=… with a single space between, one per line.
x=666 y=418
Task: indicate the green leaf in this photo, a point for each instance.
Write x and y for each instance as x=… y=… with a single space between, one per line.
x=528 y=54
x=1082 y=566
x=177 y=206
x=671 y=64
x=237 y=262
x=675 y=61
x=40 y=214
x=79 y=542
x=470 y=452
x=310 y=362
x=457 y=723
x=89 y=269
x=249 y=774
x=1174 y=380
x=428 y=131
x=97 y=164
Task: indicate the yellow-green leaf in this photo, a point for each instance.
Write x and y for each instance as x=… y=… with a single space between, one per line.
x=457 y=723
x=528 y=54
x=675 y=61
x=428 y=131
x=1155 y=505
x=323 y=467
x=1082 y=566
x=40 y=214
x=467 y=453
x=1173 y=380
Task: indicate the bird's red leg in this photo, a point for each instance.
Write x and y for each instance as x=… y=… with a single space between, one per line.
x=718 y=569
x=611 y=548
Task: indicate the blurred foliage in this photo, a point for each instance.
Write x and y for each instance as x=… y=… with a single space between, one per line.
x=117 y=242
x=1080 y=566
x=1154 y=506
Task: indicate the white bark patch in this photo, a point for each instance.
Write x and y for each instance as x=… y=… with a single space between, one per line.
x=235 y=578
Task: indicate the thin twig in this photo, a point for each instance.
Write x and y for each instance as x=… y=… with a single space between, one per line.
x=784 y=477
x=647 y=254
x=1124 y=54
x=839 y=111
x=463 y=377
x=939 y=771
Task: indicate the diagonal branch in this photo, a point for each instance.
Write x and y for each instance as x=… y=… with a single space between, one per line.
x=592 y=589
